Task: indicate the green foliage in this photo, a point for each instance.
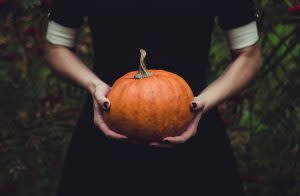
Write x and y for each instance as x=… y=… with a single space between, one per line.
x=264 y=119
x=39 y=110
x=29 y=4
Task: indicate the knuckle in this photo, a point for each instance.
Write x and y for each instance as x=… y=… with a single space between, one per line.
x=99 y=97
x=99 y=101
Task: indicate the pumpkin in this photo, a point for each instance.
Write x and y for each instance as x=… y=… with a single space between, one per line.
x=148 y=105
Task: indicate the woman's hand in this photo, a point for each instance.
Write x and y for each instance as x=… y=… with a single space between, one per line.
x=197 y=105
x=101 y=103
x=236 y=77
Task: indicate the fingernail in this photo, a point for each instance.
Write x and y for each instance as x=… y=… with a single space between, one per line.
x=194 y=106
x=105 y=106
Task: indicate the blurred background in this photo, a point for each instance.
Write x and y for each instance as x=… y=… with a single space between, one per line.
x=39 y=110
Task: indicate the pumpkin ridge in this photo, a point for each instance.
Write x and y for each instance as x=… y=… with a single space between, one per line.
x=169 y=86
x=155 y=101
x=188 y=95
x=185 y=94
x=132 y=112
x=177 y=109
x=138 y=114
x=158 y=114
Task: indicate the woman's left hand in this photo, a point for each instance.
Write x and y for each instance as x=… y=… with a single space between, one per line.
x=197 y=105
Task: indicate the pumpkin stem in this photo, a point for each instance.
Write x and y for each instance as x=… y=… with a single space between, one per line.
x=143 y=71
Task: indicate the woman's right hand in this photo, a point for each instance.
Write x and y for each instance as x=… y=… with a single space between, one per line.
x=101 y=103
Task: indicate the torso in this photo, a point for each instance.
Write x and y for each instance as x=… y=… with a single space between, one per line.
x=176 y=37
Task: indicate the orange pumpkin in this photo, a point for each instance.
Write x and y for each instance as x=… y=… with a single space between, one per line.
x=149 y=105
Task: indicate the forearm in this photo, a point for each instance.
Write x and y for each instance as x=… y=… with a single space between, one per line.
x=66 y=63
x=236 y=77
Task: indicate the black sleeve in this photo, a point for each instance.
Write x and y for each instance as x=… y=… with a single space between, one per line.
x=234 y=13
x=68 y=13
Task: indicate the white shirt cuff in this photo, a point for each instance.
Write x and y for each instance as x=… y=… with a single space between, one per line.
x=61 y=35
x=243 y=36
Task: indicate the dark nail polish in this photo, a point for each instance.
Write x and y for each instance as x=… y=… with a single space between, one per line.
x=105 y=106
x=194 y=106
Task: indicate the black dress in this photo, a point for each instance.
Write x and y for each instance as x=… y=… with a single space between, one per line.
x=176 y=35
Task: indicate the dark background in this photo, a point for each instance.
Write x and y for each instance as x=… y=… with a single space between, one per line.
x=39 y=110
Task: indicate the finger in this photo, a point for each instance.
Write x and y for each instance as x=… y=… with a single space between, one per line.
x=108 y=132
x=102 y=89
x=102 y=101
x=197 y=105
x=161 y=145
x=106 y=106
x=190 y=131
x=181 y=138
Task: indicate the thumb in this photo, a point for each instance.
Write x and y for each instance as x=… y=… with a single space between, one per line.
x=102 y=101
x=197 y=105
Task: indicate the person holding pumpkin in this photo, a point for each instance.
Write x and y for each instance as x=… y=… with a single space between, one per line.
x=176 y=35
